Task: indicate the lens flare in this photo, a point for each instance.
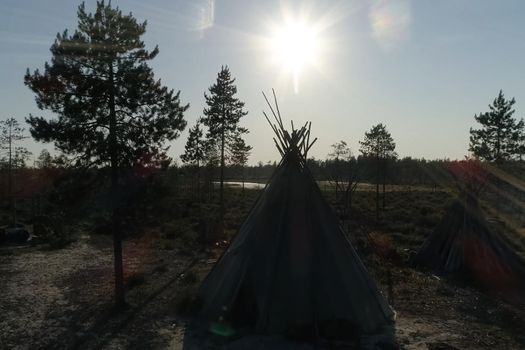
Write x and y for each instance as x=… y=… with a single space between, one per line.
x=390 y=22
x=222 y=329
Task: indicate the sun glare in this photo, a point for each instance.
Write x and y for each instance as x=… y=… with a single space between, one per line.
x=294 y=46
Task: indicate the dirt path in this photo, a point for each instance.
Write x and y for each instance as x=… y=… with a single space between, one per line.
x=434 y=313
x=44 y=291
x=63 y=298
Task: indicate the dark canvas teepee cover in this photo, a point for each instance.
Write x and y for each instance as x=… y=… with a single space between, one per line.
x=290 y=266
x=464 y=243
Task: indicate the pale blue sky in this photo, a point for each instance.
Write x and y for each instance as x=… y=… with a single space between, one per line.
x=424 y=68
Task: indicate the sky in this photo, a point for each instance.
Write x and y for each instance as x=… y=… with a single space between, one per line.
x=423 y=68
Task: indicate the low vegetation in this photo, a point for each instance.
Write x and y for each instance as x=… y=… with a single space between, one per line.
x=175 y=240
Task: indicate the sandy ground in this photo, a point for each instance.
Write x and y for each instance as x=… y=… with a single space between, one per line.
x=62 y=299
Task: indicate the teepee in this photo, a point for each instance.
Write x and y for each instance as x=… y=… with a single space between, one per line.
x=464 y=243
x=290 y=269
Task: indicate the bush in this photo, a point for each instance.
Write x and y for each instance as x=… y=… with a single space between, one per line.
x=51 y=229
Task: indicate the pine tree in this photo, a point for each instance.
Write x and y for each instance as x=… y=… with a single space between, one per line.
x=497 y=139
x=379 y=145
x=13 y=155
x=44 y=160
x=111 y=110
x=194 y=154
x=194 y=150
x=222 y=117
x=239 y=154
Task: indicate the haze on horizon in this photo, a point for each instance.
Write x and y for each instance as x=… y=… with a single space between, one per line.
x=423 y=68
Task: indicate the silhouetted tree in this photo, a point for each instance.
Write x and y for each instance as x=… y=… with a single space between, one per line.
x=194 y=150
x=44 y=160
x=343 y=169
x=212 y=160
x=336 y=161
x=194 y=153
x=111 y=109
x=239 y=154
x=498 y=138
x=13 y=157
x=379 y=145
x=222 y=117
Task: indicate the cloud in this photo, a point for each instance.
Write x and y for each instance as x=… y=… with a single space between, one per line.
x=390 y=22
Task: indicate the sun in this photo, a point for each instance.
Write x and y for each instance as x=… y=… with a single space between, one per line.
x=302 y=42
x=295 y=46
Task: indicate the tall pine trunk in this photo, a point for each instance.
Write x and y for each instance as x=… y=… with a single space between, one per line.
x=384 y=161
x=378 y=170
x=10 y=179
x=242 y=176
x=199 y=190
x=120 y=300
x=221 y=194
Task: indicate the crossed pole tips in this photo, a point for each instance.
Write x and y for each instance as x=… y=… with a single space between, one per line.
x=297 y=141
